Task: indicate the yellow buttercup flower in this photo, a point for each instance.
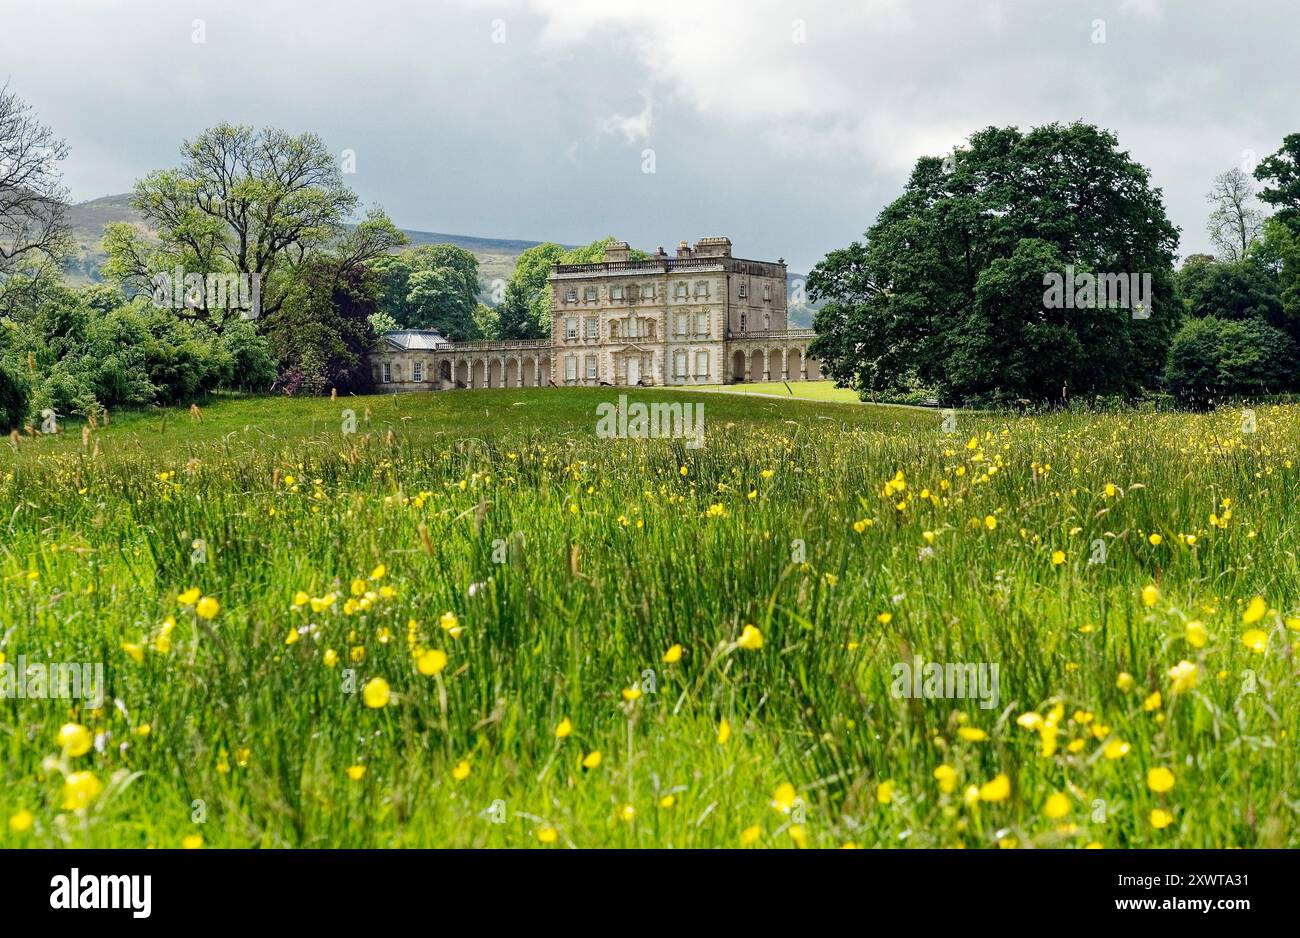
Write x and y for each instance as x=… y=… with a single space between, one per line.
x=592 y=759
x=1115 y=749
x=564 y=729
x=75 y=739
x=1255 y=639
x=673 y=655
x=1160 y=818
x=1160 y=779
x=189 y=597
x=192 y=841
x=461 y=770
x=431 y=662
x=134 y=651
x=21 y=821
x=799 y=834
x=80 y=789
x=1183 y=677
x=1254 y=611
x=548 y=835
x=356 y=772
x=1058 y=557
x=750 y=835
x=1150 y=595
x=1195 y=634
x=632 y=694
x=376 y=693
x=724 y=731
x=885 y=792
x=331 y=657
x=1124 y=682
x=784 y=797
x=1152 y=703
x=997 y=789
x=972 y=734
x=207 y=607
x=750 y=639
x=1057 y=806
x=946 y=776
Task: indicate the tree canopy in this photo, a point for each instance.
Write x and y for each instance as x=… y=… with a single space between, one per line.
x=947 y=292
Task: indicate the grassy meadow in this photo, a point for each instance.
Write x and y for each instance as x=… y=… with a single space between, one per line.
x=474 y=623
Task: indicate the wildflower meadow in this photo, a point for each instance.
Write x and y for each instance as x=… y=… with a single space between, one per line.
x=470 y=620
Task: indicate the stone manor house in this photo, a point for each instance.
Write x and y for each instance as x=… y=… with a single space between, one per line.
x=702 y=317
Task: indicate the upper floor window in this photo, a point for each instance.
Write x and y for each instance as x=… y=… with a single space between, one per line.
x=613 y=329
x=571 y=295
x=701 y=323
x=767 y=292
x=648 y=293
x=682 y=289
x=592 y=328
x=767 y=322
x=701 y=288
x=742 y=322
x=589 y=295
x=742 y=291
x=571 y=327
x=616 y=293
x=680 y=322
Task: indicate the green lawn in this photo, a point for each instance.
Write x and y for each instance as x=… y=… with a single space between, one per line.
x=407 y=634
x=806 y=390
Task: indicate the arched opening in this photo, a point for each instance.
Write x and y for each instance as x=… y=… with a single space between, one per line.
x=814 y=370
x=444 y=372
x=512 y=373
x=756 y=368
x=738 y=366
x=544 y=372
x=462 y=374
x=794 y=365
x=480 y=375
x=495 y=375
x=530 y=372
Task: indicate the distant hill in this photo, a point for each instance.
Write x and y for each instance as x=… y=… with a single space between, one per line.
x=496 y=256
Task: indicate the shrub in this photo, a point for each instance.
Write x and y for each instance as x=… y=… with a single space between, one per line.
x=13 y=400
x=1212 y=359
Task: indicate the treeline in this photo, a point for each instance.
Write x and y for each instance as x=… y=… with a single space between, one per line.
x=983 y=283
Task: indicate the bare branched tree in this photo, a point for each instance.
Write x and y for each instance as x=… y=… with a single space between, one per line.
x=34 y=235
x=1237 y=219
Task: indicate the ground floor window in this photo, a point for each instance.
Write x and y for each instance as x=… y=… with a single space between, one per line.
x=417 y=371
x=388 y=372
x=679 y=364
x=571 y=368
x=701 y=364
x=591 y=367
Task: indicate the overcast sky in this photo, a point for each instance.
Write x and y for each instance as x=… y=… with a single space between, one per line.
x=784 y=124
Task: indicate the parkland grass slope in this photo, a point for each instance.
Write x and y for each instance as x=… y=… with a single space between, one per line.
x=471 y=622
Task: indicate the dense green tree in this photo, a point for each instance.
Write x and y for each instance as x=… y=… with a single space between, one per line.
x=1281 y=174
x=321 y=335
x=434 y=286
x=907 y=307
x=257 y=203
x=13 y=399
x=1242 y=290
x=1215 y=359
